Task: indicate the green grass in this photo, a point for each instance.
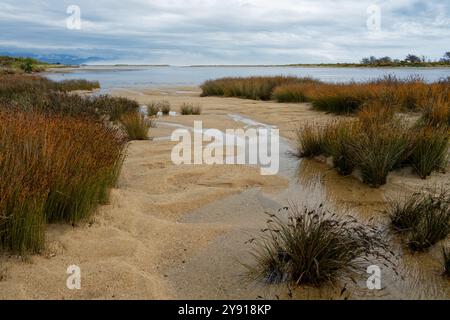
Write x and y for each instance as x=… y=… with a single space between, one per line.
x=190 y=109
x=313 y=246
x=310 y=140
x=446 y=257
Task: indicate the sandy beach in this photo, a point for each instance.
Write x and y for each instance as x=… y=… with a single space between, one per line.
x=180 y=232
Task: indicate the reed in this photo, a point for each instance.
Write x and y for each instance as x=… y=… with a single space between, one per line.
x=446 y=258
x=313 y=246
x=135 y=125
x=424 y=217
x=53 y=168
x=311 y=139
x=256 y=88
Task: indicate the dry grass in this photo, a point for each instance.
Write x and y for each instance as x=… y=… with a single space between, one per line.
x=53 y=168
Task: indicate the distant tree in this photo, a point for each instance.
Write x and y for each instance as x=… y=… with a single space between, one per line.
x=446 y=57
x=365 y=61
x=411 y=58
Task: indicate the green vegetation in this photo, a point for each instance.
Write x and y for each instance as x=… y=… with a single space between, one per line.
x=59 y=155
x=313 y=246
x=190 y=109
x=11 y=65
x=135 y=125
x=446 y=257
x=424 y=217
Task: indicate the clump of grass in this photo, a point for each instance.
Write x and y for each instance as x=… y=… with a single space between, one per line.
x=313 y=246
x=446 y=257
x=78 y=84
x=295 y=92
x=53 y=168
x=425 y=217
x=135 y=125
x=376 y=112
x=164 y=107
x=152 y=109
x=376 y=154
x=190 y=109
x=430 y=150
x=437 y=111
x=339 y=139
x=256 y=88
x=310 y=140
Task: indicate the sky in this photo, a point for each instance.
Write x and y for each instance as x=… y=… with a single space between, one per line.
x=190 y=32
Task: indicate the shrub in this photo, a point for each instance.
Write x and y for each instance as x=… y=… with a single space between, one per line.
x=53 y=168
x=135 y=125
x=430 y=150
x=312 y=247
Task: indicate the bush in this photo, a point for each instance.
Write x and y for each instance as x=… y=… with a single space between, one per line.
x=135 y=125
x=295 y=92
x=430 y=150
x=190 y=109
x=53 y=169
x=313 y=247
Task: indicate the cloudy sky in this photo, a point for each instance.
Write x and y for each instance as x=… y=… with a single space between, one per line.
x=183 y=32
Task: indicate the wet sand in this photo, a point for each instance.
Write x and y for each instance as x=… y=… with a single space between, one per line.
x=180 y=232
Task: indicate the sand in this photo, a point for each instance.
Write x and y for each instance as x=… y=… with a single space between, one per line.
x=172 y=232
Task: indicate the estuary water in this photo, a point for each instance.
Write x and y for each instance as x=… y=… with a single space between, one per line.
x=170 y=76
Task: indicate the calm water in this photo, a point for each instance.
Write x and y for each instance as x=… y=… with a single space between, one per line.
x=120 y=77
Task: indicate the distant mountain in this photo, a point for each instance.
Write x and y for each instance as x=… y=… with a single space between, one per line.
x=53 y=58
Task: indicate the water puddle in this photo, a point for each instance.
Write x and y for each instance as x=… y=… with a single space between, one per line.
x=217 y=271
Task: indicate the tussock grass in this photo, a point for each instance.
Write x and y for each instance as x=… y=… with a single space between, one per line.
x=313 y=246
x=310 y=140
x=256 y=88
x=152 y=109
x=430 y=150
x=190 y=109
x=135 y=125
x=164 y=107
x=53 y=168
x=378 y=150
x=424 y=217
x=410 y=94
x=340 y=137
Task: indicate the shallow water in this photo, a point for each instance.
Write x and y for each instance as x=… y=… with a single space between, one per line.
x=126 y=77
